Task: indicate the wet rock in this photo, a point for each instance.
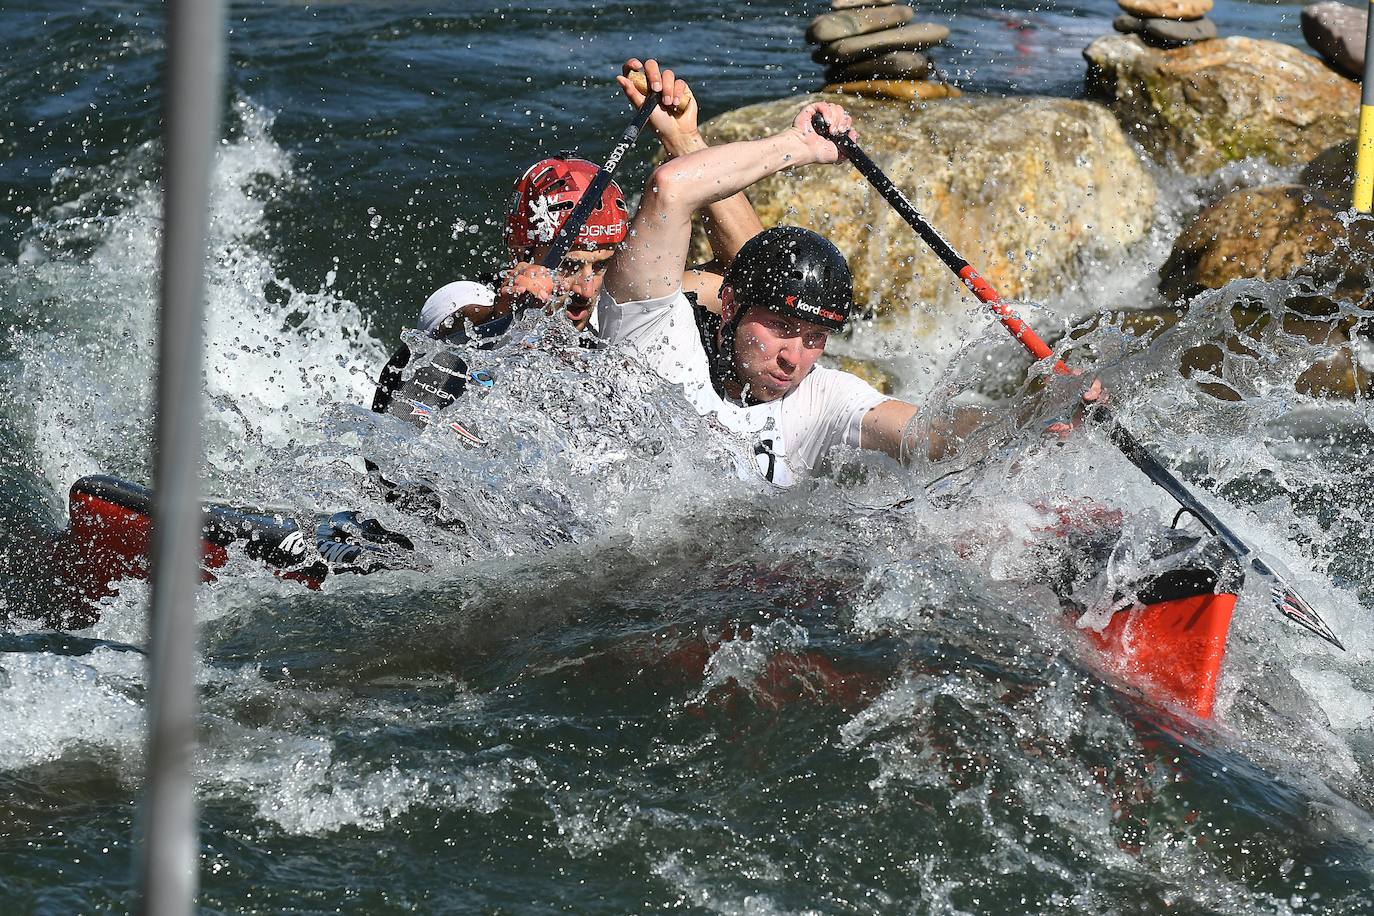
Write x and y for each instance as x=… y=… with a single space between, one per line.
x=1332 y=172
x=916 y=37
x=1337 y=33
x=1024 y=188
x=851 y=4
x=1272 y=233
x=900 y=90
x=1172 y=33
x=869 y=370
x=1248 y=336
x=1219 y=101
x=1128 y=24
x=897 y=65
x=835 y=26
x=1166 y=9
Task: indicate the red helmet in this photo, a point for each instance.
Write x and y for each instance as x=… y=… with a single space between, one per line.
x=547 y=193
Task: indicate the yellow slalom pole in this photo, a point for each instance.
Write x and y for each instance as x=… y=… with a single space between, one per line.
x=1364 y=147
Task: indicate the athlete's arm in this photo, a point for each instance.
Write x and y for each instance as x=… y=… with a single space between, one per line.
x=892 y=427
x=729 y=223
x=649 y=265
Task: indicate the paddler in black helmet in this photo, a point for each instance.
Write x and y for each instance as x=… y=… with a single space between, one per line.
x=754 y=366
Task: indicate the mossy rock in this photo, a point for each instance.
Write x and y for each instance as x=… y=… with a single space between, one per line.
x=1213 y=102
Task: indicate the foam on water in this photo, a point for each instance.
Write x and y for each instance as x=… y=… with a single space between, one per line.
x=57 y=705
x=83 y=298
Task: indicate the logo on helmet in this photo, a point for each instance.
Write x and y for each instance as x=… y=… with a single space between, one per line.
x=543 y=219
x=806 y=308
x=614 y=231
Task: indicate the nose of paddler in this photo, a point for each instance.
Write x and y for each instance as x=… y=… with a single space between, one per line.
x=789 y=355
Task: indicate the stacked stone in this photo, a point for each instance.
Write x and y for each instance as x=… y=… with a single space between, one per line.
x=873 y=49
x=1167 y=23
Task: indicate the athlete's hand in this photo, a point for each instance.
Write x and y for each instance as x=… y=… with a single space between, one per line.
x=675 y=118
x=836 y=118
x=527 y=286
x=1092 y=396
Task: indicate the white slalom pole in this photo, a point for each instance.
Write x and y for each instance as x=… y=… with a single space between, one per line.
x=168 y=872
x=1364 y=146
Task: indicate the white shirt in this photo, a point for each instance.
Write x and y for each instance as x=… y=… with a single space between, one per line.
x=791 y=434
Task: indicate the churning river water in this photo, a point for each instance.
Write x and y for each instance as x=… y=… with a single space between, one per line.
x=629 y=682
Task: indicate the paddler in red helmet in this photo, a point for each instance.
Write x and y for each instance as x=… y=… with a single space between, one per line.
x=544 y=196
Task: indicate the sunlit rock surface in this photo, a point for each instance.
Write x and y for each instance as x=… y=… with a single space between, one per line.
x=1021 y=187
x=1270 y=233
x=1220 y=101
x=1318 y=356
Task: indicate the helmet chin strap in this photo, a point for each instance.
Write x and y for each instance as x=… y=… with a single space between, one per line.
x=724 y=375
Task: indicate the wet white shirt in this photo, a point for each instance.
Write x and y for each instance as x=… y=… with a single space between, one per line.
x=791 y=435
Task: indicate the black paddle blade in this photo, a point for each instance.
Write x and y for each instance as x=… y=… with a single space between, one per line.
x=1295 y=607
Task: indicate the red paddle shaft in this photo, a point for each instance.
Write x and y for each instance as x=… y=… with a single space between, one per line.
x=962 y=269
x=1286 y=599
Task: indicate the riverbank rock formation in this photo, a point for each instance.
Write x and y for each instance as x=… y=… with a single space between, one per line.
x=1215 y=102
x=1021 y=187
x=1271 y=233
x=1332 y=172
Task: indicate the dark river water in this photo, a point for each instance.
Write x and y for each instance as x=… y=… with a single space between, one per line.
x=629 y=682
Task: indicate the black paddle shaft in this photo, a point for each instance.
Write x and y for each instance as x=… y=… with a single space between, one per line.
x=891 y=193
x=567 y=234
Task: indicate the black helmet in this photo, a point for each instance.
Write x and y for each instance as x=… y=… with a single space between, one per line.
x=796 y=272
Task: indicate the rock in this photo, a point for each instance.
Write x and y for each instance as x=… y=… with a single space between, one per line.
x=1249 y=335
x=897 y=65
x=834 y=26
x=851 y=4
x=908 y=38
x=1172 y=33
x=901 y=90
x=869 y=370
x=1271 y=233
x=1024 y=188
x=1128 y=24
x=1337 y=33
x=1219 y=101
x=1333 y=172
x=1166 y=9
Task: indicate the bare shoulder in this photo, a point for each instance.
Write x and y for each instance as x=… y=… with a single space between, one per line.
x=704 y=282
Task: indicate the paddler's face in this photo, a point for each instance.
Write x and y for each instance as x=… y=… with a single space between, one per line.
x=774 y=352
x=578 y=282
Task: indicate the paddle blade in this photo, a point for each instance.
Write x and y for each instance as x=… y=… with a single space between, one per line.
x=1295 y=608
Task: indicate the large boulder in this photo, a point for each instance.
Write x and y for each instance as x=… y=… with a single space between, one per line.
x=1023 y=188
x=1219 y=101
x=1271 y=233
